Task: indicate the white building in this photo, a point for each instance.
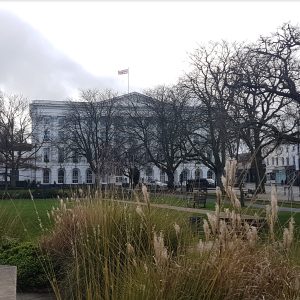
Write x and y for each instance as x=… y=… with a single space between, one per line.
x=54 y=168
x=282 y=165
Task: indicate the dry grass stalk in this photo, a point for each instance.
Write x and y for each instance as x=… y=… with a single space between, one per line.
x=288 y=235
x=140 y=211
x=145 y=194
x=272 y=212
x=177 y=229
x=161 y=253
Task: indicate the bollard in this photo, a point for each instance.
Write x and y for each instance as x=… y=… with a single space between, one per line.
x=8 y=282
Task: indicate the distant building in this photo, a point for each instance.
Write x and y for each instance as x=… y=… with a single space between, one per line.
x=54 y=168
x=282 y=165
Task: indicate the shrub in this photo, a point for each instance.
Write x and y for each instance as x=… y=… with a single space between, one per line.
x=27 y=258
x=37 y=194
x=15 y=194
x=51 y=193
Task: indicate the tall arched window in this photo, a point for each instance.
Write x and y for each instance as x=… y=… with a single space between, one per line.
x=75 y=176
x=210 y=174
x=197 y=174
x=61 y=176
x=149 y=172
x=185 y=174
x=162 y=176
x=46 y=176
x=89 y=176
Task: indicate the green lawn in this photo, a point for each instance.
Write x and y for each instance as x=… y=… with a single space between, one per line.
x=19 y=218
x=289 y=204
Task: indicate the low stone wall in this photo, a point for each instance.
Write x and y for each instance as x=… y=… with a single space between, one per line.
x=8 y=282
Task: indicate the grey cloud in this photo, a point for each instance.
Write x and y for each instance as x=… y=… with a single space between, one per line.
x=31 y=66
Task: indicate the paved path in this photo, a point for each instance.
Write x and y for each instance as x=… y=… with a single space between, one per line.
x=284 y=193
x=280 y=208
x=185 y=209
x=34 y=296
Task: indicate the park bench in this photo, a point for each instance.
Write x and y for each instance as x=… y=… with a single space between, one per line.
x=248 y=194
x=197 y=199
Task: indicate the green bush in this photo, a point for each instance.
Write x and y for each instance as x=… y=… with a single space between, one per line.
x=37 y=194
x=50 y=193
x=27 y=258
x=15 y=194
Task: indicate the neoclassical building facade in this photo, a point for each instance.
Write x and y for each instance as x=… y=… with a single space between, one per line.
x=53 y=167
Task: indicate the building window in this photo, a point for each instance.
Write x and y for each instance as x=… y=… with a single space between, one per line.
x=75 y=176
x=272 y=161
x=89 y=176
x=184 y=175
x=61 y=122
x=197 y=174
x=46 y=176
x=119 y=179
x=267 y=161
x=61 y=176
x=162 y=176
x=209 y=174
x=47 y=135
x=276 y=161
x=46 y=155
x=294 y=161
x=287 y=161
x=47 y=120
x=61 y=155
x=149 y=172
x=282 y=161
x=287 y=149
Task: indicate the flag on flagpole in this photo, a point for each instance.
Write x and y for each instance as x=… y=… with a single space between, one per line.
x=122 y=72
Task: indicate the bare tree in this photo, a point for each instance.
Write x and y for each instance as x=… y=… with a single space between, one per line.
x=159 y=124
x=91 y=128
x=130 y=158
x=279 y=71
x=263 y=117
x=212 y=136
x=282 y=51
x=16 y=150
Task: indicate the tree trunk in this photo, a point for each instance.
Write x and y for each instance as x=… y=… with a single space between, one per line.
x=98 y=179
x=5 y=177
x=219 y=174
x=259 y=173
x=170 y=175
x=13 y=177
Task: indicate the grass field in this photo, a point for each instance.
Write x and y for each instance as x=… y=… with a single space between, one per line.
x=20 y=218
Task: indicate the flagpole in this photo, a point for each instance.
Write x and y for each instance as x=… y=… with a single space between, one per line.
x=128 y=80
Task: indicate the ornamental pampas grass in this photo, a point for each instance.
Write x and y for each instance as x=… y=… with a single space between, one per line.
x=177 y=229
x=145 y=194
x=161 y=253
x=271 y=213
x=288 y=235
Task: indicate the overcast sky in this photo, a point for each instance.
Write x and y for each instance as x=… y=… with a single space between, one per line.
x=50 y=50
